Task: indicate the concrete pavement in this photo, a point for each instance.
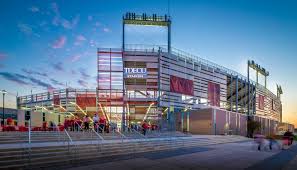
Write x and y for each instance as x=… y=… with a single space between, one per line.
x=240 y=155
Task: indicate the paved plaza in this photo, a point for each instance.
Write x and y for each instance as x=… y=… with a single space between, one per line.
x=240 y=155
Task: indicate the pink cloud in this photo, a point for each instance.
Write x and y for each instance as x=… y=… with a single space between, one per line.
x=2 y=56
x=66 y=24
x=69 y=24
x=79 y=40
x=58 y=20
x=60 y=42
x=75 y=58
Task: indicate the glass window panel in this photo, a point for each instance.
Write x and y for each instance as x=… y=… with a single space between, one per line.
x=116 y=63
x=104 y=63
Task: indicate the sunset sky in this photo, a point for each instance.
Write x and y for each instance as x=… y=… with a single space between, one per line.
x=45 y=45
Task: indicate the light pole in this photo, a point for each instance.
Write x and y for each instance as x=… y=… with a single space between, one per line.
x=3 y=94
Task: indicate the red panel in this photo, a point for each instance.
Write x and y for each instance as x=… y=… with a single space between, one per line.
x=56 y=100
x=214 y=94
x=84 y=100
x=261 y=102
x=181 y=85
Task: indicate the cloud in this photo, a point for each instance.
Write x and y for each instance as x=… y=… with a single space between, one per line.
x=3 y=56
x=25 y=80
x=17 y=78
x=75 y=58
x=27 y=29
x=82 y=83
x=83 y=73
x=2 y=65
x=39 y=82
x=34 y=9
x=58 y=66
x=32 y=72
x=60 y=42
x=56 y=82
x=92 y=43
x=80 y=39
x=68 y=24
x=106 y=29
x=24 y=28
x=59 y=20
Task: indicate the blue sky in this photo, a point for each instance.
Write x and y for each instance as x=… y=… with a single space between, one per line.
x=46 y=44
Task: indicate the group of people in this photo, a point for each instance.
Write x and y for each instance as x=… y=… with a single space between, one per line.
x=73 y=124
x=100 y=124
x=76 y=124
x=287 y=140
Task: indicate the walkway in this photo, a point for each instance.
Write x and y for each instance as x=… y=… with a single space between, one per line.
x=287 y=159
x=237 y=156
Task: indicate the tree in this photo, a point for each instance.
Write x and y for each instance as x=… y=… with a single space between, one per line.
x=252 y=126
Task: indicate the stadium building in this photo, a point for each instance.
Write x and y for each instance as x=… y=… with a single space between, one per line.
x=164 y=86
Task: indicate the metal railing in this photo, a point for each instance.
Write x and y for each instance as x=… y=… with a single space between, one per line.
x=185 y=55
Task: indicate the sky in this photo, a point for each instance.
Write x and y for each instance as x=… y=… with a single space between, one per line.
x=46 y=45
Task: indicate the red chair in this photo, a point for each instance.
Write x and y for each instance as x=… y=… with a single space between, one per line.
x=23 y=129
x=8 y=128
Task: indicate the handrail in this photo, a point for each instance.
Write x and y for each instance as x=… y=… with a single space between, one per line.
x=136 y=131
x=98 y=135
x=78 y=125
x=70 y=139
x=114 y=128
x=102 y=130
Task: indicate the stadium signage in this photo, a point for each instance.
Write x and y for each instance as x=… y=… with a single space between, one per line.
x=135 y=72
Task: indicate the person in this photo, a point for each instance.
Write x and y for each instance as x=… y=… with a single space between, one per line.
x=86 y=122
x=96 y=120
x=74 y=123
x=44 y=126
x=272 y=141
x=144 y=127
x=259 y=139
x=66 y=123
x=101 y=124
x=288 y=138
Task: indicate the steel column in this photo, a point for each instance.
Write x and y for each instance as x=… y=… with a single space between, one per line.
x=231 y=92
x=3 y=115
x=236 y=93
x=248 y=72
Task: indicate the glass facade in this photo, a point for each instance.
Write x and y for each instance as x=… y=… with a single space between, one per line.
x=110 y=85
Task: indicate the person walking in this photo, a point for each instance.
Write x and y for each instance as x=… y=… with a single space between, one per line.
x=101 y=124
x=86 y=122
x=144 y=127
x=259 y=140
x=288 y=138
x=96 y=121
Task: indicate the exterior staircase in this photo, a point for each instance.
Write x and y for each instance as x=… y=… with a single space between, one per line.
x=44 y=154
